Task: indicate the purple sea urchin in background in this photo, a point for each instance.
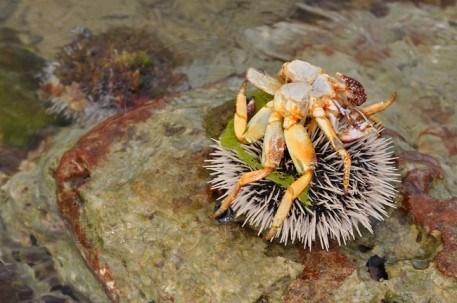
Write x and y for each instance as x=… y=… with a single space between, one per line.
x=95 y=76
x=330 y=214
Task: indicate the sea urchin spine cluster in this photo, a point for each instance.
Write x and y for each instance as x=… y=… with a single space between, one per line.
x=96 y=76
x=329 y=213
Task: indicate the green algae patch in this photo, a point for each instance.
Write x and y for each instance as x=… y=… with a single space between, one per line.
x=134 y=59
x=22 y=115
x=217 y=117
x=261 y=98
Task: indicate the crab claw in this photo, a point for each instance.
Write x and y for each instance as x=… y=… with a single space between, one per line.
x=356 y=131
x=353 y=90
x=299 y=71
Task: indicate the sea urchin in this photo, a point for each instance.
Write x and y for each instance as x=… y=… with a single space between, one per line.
x=327 y=213
x=95 y=76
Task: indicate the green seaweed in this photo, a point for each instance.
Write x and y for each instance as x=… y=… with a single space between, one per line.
x=261 y=98
x=135 y=59
x=22 y=115
x=229 y=141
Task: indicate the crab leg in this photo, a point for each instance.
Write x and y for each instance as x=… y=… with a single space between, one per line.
x=326 y=126
x=263 y=81
x=302 y=152
x=256 y=127
x=244 y=180
x=380 y=106
x=311 y=127
x=273 y=152
x=240 y=118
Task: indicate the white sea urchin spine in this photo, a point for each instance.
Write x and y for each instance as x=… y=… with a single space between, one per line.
x=332 y=215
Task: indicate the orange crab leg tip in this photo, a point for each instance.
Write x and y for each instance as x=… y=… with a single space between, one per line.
x=270 y=234
x=244 y=86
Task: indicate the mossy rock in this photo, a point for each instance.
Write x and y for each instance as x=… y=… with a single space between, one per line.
x=22 y=115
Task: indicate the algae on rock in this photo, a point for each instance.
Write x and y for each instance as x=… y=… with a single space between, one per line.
x=21 y=113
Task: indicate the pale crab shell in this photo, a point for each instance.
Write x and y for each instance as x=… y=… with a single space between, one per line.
x=306 y=83
x=300 y=71
x=322 y=86
x=293 y=98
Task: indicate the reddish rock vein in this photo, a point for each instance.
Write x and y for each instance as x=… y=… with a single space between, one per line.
x=431 y=213
x=74 y=171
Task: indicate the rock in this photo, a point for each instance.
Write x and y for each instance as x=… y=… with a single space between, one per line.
x=405 y=284
x=30 y=216
x=324 y=272
x=140 y=212
x=434 y=214
x=420 y=264
x=6 y=9
x=145 y=231
x=440 y=215
x=27 y=271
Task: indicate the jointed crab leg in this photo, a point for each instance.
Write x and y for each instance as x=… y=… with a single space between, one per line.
x=255 y=129
x=263 y=81
x=258 y=124
x=241 y=112
x=244 y=180
x=302 y=152
x=326 y=126
x=380 y=106
x=273 y=151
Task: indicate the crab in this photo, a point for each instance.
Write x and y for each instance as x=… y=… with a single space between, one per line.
x=304 y=97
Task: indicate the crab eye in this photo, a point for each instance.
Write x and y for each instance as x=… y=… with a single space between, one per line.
x=356 y=93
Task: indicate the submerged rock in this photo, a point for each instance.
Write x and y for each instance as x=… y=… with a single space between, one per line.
x=134 y=195
x=28 y=274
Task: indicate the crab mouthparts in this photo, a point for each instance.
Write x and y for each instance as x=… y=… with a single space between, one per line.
x=356 y=131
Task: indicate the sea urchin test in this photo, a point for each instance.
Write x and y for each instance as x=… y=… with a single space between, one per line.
x=310 y=164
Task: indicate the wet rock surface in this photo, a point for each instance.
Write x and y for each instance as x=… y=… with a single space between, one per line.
x=30 y=221
x=323 y=274
x=436 y=215
x=131 y=216
x=27 y=273
x=166 y=233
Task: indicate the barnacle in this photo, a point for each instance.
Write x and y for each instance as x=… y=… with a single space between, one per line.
x=324 y=212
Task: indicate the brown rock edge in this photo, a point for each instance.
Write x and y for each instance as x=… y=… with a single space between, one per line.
x=433 y=214
x=74 y=170
x=324 y=272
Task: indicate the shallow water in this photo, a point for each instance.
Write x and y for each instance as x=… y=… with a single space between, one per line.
x=403 y=46
x=211 y=38
x=204 y=36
